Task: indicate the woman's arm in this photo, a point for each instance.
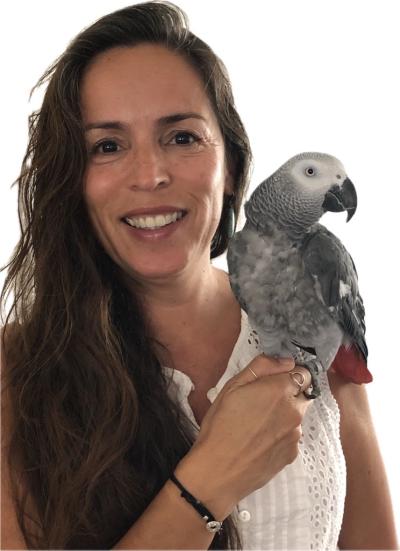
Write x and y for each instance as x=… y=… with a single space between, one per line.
x=228 y=460
x=169 y=522
x=368 y=521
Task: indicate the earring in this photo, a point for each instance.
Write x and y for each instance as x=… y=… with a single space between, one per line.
x=230 y=222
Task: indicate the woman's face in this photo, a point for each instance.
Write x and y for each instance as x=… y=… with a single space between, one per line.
x=155 y=149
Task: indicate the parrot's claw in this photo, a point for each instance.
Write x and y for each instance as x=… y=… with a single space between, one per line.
x=310 y=362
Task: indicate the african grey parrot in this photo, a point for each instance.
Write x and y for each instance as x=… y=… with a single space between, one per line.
x=294 y=278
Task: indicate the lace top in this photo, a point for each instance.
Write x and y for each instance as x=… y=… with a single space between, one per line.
x=302 y=506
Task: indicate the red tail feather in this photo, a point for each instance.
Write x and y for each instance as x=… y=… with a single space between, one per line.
x=350 y=363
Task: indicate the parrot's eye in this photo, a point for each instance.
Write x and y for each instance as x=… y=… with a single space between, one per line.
x=310 y=171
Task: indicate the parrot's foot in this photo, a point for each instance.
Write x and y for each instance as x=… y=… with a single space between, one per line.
x=310 y=362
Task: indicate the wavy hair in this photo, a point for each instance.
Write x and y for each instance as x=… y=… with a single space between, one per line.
x=94 y=435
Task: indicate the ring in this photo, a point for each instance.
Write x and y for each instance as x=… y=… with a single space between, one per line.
x=298 y=383
x=253 y=373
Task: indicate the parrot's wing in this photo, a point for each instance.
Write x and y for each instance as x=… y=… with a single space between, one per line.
x=327 y=261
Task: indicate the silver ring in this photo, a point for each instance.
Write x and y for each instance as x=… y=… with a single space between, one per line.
x=253 y=373
x=298 y=383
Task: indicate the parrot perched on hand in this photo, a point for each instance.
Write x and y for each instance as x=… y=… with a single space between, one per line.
x=293 y=277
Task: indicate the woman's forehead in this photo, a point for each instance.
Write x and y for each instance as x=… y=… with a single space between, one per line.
x=147 y=80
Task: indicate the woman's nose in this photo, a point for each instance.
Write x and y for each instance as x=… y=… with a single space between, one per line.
x=148 y=168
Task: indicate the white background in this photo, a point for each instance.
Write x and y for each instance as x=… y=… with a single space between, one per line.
x=308 y=75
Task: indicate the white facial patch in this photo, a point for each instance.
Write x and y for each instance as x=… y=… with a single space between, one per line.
x=316 y=176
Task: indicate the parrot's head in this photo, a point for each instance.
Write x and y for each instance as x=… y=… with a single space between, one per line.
x=300 y=192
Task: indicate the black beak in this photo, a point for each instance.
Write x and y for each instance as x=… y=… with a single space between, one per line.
x=340 y=198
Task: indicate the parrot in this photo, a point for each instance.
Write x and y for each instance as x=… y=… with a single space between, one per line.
x=294 y=278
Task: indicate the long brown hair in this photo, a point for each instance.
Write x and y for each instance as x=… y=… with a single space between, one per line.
x=94 y=435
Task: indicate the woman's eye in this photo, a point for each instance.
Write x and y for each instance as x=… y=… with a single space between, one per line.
x=105 y=147
x=184 y=138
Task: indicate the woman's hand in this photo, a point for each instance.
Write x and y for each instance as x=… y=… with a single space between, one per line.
x=251 y=431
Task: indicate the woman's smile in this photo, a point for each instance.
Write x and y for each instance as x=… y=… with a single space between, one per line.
x=155 y=227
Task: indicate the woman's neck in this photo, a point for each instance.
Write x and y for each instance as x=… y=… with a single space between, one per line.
x=185 y=308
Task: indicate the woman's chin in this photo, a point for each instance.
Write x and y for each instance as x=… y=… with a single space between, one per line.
x=156 y=270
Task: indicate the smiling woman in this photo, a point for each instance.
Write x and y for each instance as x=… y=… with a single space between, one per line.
x=129 y=417
x=162 y=153
x=128 y=138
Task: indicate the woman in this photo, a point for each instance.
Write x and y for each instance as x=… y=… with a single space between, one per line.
x=132 y=382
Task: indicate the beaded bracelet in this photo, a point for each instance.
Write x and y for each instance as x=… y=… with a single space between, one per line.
x=212 y=525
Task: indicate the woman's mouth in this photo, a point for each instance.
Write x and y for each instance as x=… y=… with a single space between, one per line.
x=154 y=222
x=153 y=227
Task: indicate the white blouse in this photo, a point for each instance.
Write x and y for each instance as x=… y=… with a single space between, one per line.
x=302 y=506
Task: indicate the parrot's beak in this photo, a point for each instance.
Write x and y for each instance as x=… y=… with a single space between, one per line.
x=340 y=198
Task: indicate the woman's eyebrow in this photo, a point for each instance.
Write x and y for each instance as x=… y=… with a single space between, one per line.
x=162 y=121
x=106 y=125
x=176 y=117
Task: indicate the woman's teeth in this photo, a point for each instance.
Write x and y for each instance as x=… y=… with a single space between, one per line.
x=153 y=222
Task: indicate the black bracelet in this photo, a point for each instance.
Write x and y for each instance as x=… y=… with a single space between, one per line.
x=212 y=525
